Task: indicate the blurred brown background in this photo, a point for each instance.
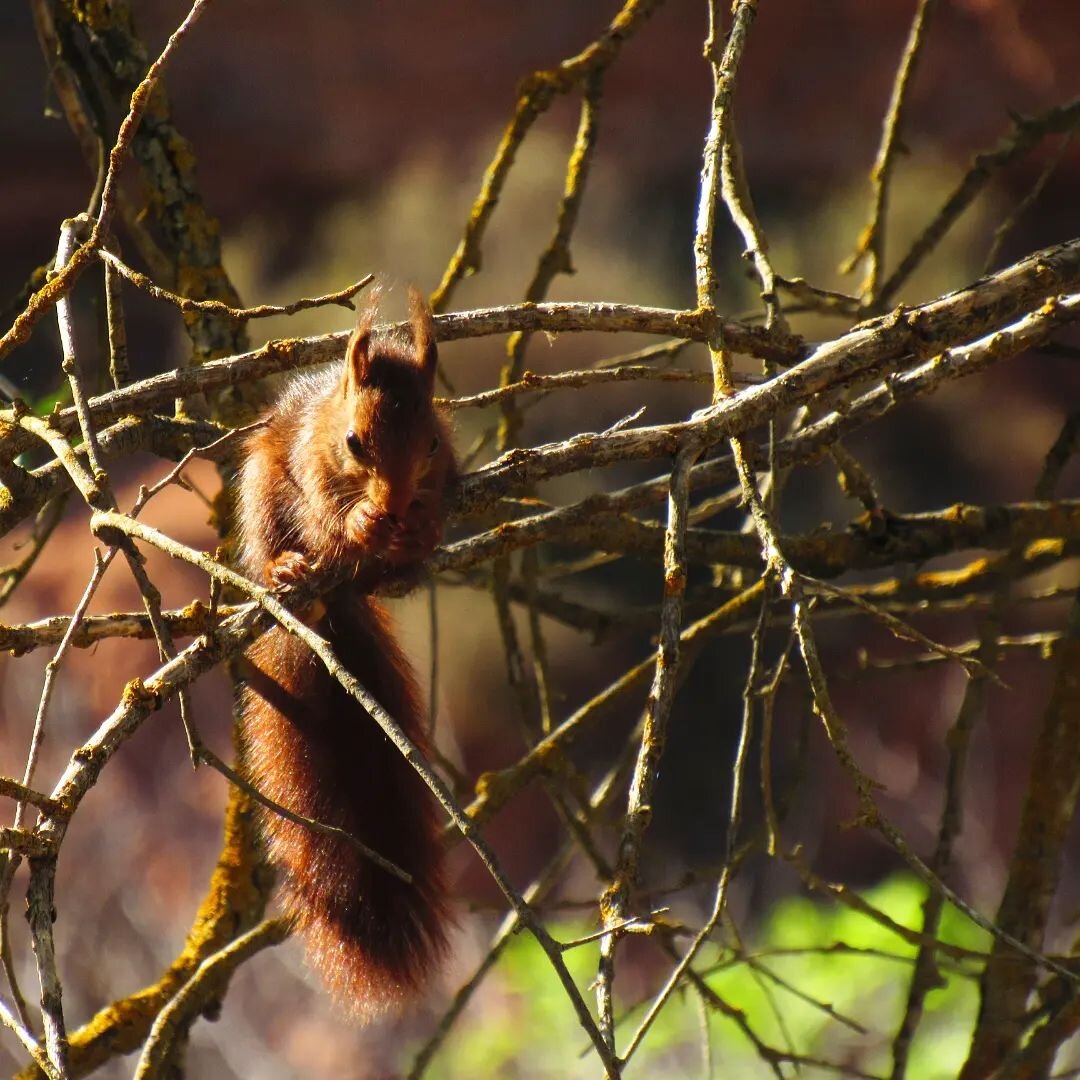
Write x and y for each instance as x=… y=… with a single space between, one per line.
x=334 y=138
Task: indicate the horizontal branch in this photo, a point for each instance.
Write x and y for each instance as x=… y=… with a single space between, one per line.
x=23 y=843
x=815 y=439
x=941 y=327
x=12 y=789
x=170 y=437
x=976 y=324
x=960 y=316
x=938 y=589
x=290 y=353
x=869 y=543
x=187 y=622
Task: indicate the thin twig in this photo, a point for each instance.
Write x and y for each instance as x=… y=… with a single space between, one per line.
x=871 y=242
x=60 y=285
x=738 y=778
x=535 y=895
x=343 y=297
x=204 y=987
x=48 y=518
x=40 y=913
x=530 y=382
x=26 y=1037
x=1026 y=203
x=617 y=896
x=740 y=206
x=1027 y=133
x=900 y=628
x=715 y=178
x=871 y=816
x=116 y=327
x=1049 y=805
x=535 y=96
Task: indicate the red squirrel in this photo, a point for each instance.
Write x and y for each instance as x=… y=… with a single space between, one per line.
x=348 y=474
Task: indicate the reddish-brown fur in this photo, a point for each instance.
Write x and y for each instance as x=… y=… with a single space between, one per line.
x=310 y=498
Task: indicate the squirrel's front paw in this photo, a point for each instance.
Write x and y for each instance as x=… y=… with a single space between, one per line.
x=287 y=569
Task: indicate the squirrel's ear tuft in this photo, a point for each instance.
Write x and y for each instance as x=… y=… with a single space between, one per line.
x=358 y=352
x=423 y=329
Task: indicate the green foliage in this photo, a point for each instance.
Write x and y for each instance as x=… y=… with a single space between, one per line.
x=806 y=954
x=43 y=406
x=861 y=969
x=58 y=398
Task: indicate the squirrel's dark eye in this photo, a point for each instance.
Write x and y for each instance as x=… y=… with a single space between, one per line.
x=434 y=446
x=355 y=444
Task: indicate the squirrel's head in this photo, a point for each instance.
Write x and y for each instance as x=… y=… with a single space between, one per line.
x=390 y=432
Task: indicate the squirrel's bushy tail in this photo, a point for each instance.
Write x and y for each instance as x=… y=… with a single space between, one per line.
x=313 y=749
